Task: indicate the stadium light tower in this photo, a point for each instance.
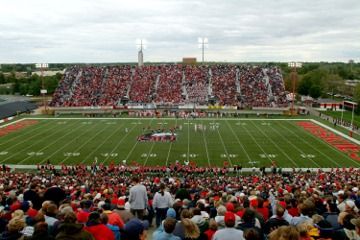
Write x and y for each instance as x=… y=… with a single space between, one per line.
x=43 y=91
x=294 y=66
x=203 y=43
x=141 y=44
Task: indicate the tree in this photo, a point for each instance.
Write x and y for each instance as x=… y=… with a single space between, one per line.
x=315 y=91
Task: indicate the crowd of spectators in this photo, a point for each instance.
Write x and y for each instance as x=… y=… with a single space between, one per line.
x=196 y=84
x=224 y=84
x=227 y=85
x=169 y=87
x=143 y=84
x=188 y=202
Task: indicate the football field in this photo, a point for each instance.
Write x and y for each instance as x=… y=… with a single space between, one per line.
x=206 y=142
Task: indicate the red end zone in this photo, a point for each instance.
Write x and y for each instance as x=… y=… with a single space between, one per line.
x=16 y=126
x=331 y=138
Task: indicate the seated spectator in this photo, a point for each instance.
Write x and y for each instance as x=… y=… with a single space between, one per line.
x=124 y=214
x=14 y=228
x=69 y=229
x=167 y=234
x=229 y=232
x=212 y=229
x=41 y=232
x=99 y=230
x=135 y=229
x=114 y=218
x=276 y=220
x=115 y=229
x=285 y=233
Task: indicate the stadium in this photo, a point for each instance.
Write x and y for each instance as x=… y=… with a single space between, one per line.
x=177 y=143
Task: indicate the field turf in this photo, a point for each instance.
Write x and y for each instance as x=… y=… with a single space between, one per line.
x=246 y=142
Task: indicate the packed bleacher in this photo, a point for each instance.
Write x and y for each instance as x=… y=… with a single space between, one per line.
x=227 y=85
x=178 y=202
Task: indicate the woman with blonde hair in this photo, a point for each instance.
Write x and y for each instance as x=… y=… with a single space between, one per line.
x=284 y=233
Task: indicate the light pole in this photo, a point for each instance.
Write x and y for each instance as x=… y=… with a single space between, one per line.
x=141 y=44
x=294 y=66
x=43 y=91
x=203 y=43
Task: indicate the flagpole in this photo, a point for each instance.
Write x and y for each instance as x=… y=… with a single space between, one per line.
x=342 y=113
x=352 y=116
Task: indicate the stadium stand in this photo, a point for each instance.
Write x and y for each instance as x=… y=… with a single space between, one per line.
x=226 y=85
x=191 y=203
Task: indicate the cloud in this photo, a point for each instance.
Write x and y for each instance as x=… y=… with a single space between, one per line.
x=238 y=30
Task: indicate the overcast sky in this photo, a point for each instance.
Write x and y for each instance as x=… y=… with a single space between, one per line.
x=238 y=30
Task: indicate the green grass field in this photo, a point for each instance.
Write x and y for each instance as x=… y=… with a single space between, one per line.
x=347 y=115
x=249 y=142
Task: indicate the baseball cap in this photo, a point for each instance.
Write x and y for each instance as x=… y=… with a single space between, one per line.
x=171 y=213
x=229 y=216
x=135 y=227
x=121 y=202
x=230 y=207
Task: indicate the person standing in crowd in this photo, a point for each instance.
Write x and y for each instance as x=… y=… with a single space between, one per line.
x=138 y=198
x=161 y=203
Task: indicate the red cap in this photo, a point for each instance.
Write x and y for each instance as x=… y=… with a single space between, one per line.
x=254 y=202
x=121 y=202
x=229 y=216
x=283 y=204
x=230 y=207
x=216 y=198
x=32 y=212
x=82 y=217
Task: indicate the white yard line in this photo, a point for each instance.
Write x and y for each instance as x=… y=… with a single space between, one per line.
x=63 y=146
x=225 y=149
x=29 y=146
x=42 y=149
x=148 y=155
x=276 y=145
x=136 y=142
x=25 y=134
x=322 y=142
x=100 y=145
x=119 y=142
x=239 y=142
x=205 y=143
x=11 y=123
x=336 y=131
x=294 y=146
x=171 y=143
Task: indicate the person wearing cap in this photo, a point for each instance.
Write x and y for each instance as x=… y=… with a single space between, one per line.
x=135 y=229
x=167 y=234
x=229 y=232
x=124 y=214
x=138 y=198
x=161 y=203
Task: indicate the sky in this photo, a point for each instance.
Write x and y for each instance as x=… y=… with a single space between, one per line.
x=92 y=31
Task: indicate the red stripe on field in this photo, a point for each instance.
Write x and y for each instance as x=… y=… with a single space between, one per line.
x=334 y=140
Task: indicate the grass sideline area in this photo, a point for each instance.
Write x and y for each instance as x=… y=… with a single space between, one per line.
x=346 y=116
x=247 y=142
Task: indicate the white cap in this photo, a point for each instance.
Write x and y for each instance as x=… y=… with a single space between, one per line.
x=355 y=189
x=350 y=204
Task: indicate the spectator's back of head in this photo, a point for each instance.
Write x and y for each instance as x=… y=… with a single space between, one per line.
x=284 y=233
x=169 y=225
x=252 y=234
